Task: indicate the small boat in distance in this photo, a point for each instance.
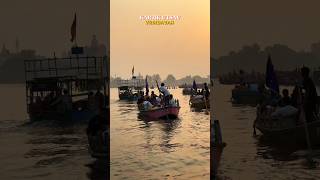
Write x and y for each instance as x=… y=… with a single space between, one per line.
x=187 y=91
x=130 y=89
x=199 y=102
x=245 y=94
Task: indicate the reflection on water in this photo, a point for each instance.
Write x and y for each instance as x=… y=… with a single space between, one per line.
x=248 y=157
x=158 y=149
x=44 y=149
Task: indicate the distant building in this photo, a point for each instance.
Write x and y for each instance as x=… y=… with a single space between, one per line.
x=4 y=51
x=94 y=49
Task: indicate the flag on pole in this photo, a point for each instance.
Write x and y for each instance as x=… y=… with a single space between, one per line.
x=147 y=86
x=74 y=28
x=194 y=86
x=132 y=70
x=271 y=78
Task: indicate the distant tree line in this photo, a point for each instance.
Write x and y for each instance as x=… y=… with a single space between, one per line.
x=253 y=58
x=170 y=80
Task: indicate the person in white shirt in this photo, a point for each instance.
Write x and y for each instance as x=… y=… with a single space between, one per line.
x=165 y=93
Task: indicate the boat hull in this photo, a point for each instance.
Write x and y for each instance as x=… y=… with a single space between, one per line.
x=293 y=135
x=199 y=103
x=167 y=112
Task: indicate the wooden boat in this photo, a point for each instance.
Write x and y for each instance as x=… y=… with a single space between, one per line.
x=129 y=93
x=199 y=103
x=66 y=88
x=161 y=112
x=244 y=95
x=187 y=91
x=288 y=129
x=130 y=89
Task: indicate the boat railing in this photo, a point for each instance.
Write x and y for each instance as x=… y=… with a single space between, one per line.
x=78 y=67
x=137 y=83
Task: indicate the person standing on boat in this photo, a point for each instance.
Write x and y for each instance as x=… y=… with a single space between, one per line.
x=165 y=92
x=310 y=96
x=206 y=91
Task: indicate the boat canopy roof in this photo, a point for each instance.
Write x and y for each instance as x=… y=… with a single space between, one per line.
x=134 y=83
x=71 y=68
x=125 y=88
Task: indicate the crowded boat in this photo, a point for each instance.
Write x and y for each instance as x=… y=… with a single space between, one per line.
x=289 y=116
x=59 y=89
x=200 y=99
x=156 y=106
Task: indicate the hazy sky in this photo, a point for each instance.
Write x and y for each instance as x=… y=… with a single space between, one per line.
x=237 y=23
x=181 y=49
x=44 y=25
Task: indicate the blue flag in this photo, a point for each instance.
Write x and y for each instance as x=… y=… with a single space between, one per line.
x=147 y=86
x=194 y=86
x=271 y=78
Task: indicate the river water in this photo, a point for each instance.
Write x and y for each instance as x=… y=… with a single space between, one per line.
x=41 y=150
x=247 y=157
x=159 y=149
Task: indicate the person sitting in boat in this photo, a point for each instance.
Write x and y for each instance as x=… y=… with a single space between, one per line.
x=165 y=92
x=172 y=102
x=310 y=95
x=153 y=98
x=147 y=105
x=285 y=100
x=140 y=97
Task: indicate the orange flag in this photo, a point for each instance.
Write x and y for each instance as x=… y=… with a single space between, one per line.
x=74 y=28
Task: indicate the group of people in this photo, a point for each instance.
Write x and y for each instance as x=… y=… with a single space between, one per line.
x=61 y=101
x=303 y=96
x=204 y=91
x=165 y=98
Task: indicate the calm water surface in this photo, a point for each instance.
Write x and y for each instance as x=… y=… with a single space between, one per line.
x=159 y=149
x=41 y=150
x=247 y=157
